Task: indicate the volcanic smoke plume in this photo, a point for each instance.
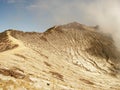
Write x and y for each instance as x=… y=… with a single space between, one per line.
x=104 y=13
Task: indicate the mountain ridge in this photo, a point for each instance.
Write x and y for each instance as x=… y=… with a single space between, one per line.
x=69 y=57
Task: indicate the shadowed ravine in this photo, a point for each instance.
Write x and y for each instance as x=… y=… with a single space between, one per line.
x=65 y=57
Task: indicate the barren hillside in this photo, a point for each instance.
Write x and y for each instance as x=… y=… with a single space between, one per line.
x=65 y=57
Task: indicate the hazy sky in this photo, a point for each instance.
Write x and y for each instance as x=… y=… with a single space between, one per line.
x=38 y=15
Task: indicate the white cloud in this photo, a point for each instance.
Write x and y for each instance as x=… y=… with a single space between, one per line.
x=15 y=1
x=11 y=1
x=56 y=11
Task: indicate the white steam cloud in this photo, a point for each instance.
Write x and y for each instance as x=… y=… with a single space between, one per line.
x=105 y=13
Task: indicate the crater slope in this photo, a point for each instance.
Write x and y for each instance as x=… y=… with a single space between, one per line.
x=65 y=57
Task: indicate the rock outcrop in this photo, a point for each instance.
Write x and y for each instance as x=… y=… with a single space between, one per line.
x=65 y=57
